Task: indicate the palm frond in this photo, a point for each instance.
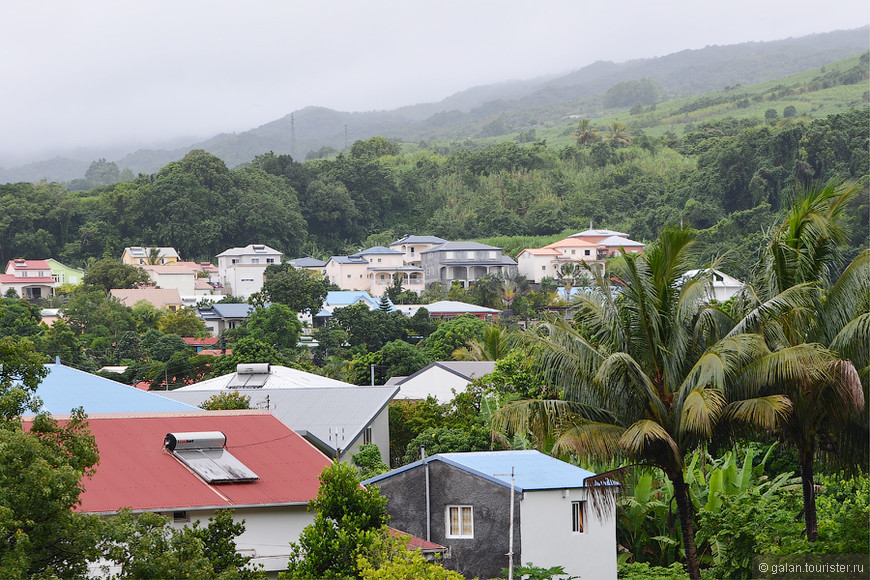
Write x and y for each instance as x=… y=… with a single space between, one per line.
x=650 y=441
x=700 y=411
x=762 y=412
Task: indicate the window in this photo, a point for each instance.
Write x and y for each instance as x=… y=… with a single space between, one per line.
x=180 y=517
x=367 y=435
x=255 y=260
x=544 y=268
x=577 y=509
x=587 y=252
x=270 y=260
x=379 y=260
x=573 y=252
x=234 y=261
x=448 y=255
x=460 y=522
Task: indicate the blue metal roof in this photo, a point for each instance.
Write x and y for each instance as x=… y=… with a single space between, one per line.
x=532 y=469
x=66 y=388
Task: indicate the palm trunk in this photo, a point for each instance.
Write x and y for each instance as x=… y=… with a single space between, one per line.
x=686 y=513
x=806 y=460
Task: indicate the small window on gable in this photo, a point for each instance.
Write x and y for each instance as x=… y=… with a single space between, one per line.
x=460 y=521
x=577 y=512
x=367 y=435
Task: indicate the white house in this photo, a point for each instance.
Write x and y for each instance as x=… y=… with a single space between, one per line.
x=240 y=270
x=723 y=285
x=442 y=380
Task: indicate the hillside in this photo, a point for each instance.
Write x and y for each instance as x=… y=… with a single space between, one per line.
x=520 y=105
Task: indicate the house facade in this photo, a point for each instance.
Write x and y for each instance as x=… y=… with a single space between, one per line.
x=463 y=501
x=159 y=298
x=64 y=274
x=260 y=468
x=240 y=270
x=464 y=262
x=373 y=270
x=590 y=247
x=140 y=256
x=220 y=317
x=411 y=246
x=29 y=279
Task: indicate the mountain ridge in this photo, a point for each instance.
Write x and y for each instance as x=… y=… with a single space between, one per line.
x=547 y=98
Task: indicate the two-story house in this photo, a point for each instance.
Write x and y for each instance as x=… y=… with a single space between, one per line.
x=240 y=270
x=139 y=256
x=464 y=262
x=373 y=270
x=411 y=246
x=609 y=242
x=590 y=247
x=29 y=279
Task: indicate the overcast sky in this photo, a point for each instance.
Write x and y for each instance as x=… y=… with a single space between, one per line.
x=110 y=72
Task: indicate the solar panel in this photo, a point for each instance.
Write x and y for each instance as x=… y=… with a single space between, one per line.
x=204 y=453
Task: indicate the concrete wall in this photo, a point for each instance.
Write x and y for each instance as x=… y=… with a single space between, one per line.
x=482 y=556
x=548 y=539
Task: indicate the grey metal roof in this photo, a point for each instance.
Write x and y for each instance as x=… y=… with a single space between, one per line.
x=465 y=369
x=312 y=410
x=460 y=246
x=349 y=259
x=249 y=249
x=419 y=240
x=307 y=262
x=229 y=310
x=376 y=250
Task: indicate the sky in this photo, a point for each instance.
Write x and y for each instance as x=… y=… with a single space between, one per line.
x=115 y=73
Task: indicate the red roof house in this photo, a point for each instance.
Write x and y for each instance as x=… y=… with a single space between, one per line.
x=140 y=469
x=30 y=279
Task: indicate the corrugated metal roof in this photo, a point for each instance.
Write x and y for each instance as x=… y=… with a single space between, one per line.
x=279 y=377
x=314 y=410
x=307 y=262
x=419 y=240
x=460 y=246
x=532 y=469
x=66 y=388
x=375 y=250
x=136 y=471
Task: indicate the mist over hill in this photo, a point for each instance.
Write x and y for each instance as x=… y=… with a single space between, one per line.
x=545 y=101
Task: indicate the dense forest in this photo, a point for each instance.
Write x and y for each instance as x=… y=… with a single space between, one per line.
x=728 y=178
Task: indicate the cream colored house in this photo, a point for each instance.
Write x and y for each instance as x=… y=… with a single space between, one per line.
x=411 y=246
x=372 y=270
x=139 y=255
x=158 y=297
x=538 y=263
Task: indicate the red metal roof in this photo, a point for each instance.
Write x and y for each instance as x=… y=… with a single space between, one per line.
x=135 y=471
x=195 y=341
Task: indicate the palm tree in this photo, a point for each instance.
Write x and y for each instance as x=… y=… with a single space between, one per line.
x=496 y=343
x=643 y=378
x=824 y=325
x=617 y=135
x=585 y=133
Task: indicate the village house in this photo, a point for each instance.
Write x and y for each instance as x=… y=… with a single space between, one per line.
x=464 y=262
x=159 y=298
x=187 y=465
x=240 y=270
x=29 y=279
x=465 y=501
x=336 y=417
x=64 y=274
x=441 y=379
x=373 y=270
x=140 y=256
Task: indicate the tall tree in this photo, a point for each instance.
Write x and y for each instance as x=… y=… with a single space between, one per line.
x=642 y=376
x=824 y=323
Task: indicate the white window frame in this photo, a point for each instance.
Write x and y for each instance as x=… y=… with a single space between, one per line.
x=578 y=516
x=460 y=532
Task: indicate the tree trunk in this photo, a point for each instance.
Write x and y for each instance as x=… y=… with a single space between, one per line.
x=686 y=513
x=805 y=460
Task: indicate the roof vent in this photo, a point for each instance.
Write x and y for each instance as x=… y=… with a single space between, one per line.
x=204 y=453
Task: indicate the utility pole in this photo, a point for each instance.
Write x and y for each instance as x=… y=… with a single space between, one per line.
x=510 y=553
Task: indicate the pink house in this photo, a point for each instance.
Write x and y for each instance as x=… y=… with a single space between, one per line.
x=30 y=279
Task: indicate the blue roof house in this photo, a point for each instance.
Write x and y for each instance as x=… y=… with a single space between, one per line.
x=66 y=388
x=463 y=501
